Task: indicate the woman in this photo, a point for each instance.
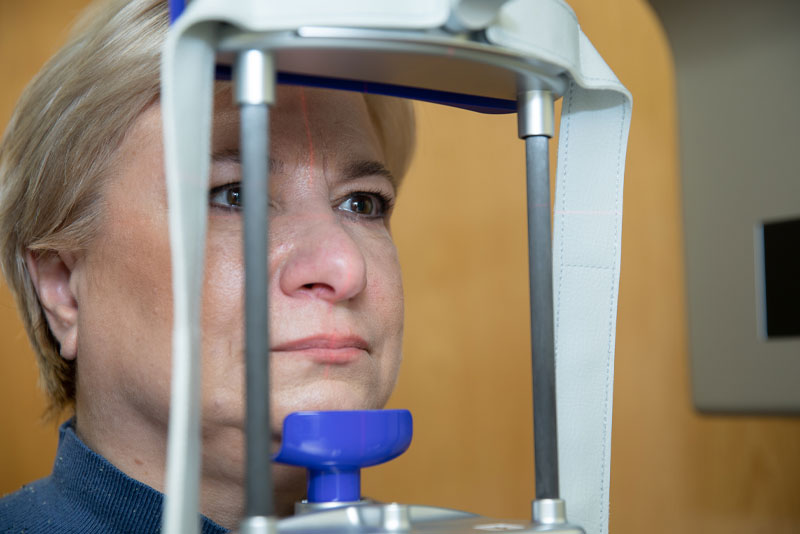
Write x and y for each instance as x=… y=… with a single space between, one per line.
x=85 y=249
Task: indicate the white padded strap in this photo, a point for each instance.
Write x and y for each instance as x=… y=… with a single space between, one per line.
x=586 y=261
x=587 y=232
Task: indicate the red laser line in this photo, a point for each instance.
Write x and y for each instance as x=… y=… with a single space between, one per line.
x=307 y=124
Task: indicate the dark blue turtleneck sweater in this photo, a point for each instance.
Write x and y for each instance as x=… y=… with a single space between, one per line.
x=85 y=494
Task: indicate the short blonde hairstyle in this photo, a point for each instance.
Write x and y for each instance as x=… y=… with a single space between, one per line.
x=60 y=142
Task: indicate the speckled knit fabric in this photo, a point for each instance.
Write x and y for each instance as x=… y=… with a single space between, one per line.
x=85 y=494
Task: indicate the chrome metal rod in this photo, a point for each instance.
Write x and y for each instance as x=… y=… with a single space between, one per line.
x=540 y=275
x=254 y=146
x=254 y=92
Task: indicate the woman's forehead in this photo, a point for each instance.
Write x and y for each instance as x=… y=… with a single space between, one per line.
x=320 y=107
x=314 y=116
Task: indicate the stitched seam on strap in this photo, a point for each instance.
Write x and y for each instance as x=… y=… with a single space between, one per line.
x=563 y=214
x=600 y=79
x=576 y=266
x=604 y=492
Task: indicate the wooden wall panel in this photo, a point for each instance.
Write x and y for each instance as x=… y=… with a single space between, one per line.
x=460 y=231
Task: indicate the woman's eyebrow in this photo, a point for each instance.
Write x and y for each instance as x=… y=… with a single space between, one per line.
x=362 y=168
x=232 y=155
x=227 y=154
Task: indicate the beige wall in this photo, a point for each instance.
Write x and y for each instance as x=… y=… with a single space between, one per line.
x=728 y=54
x=460 y=231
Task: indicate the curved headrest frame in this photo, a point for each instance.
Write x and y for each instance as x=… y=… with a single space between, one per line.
x=531 y=44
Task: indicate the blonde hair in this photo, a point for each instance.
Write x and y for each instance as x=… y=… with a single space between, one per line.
x=60 y=143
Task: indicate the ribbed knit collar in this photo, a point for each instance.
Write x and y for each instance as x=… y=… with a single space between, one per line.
x=90 y=482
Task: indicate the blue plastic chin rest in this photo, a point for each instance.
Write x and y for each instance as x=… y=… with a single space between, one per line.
x=335 y=445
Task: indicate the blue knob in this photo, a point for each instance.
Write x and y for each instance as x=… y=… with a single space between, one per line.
x=334 y=446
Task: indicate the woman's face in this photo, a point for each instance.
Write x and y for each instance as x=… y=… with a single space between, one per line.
x=336 y=303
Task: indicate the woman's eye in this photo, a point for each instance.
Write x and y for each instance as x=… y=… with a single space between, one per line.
x=226 y=196
x=370 y=205
x=365 y=204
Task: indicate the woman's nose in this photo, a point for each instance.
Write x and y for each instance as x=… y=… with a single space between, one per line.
x=324 y=262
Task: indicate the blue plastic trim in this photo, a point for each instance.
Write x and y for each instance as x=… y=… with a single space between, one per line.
x=334 y=446
x=175 y=10
x=480 y=104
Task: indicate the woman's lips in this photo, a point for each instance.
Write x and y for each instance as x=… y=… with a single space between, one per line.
x=326 y=349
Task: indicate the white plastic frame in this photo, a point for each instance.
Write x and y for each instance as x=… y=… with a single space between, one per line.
x=587 y=212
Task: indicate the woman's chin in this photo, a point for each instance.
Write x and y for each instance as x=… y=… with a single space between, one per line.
x=224 y=415
x=325 y=395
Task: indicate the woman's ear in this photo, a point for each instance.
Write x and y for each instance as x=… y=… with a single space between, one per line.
x=52 y=276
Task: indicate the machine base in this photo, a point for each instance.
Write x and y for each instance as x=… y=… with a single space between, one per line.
x=397 y=518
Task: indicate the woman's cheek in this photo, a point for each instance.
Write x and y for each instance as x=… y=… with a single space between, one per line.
x=385 y=288
x=223 y=293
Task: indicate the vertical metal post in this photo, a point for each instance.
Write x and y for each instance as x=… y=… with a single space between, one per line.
x=255 y=91
x=542 y=329
x=535 y=114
